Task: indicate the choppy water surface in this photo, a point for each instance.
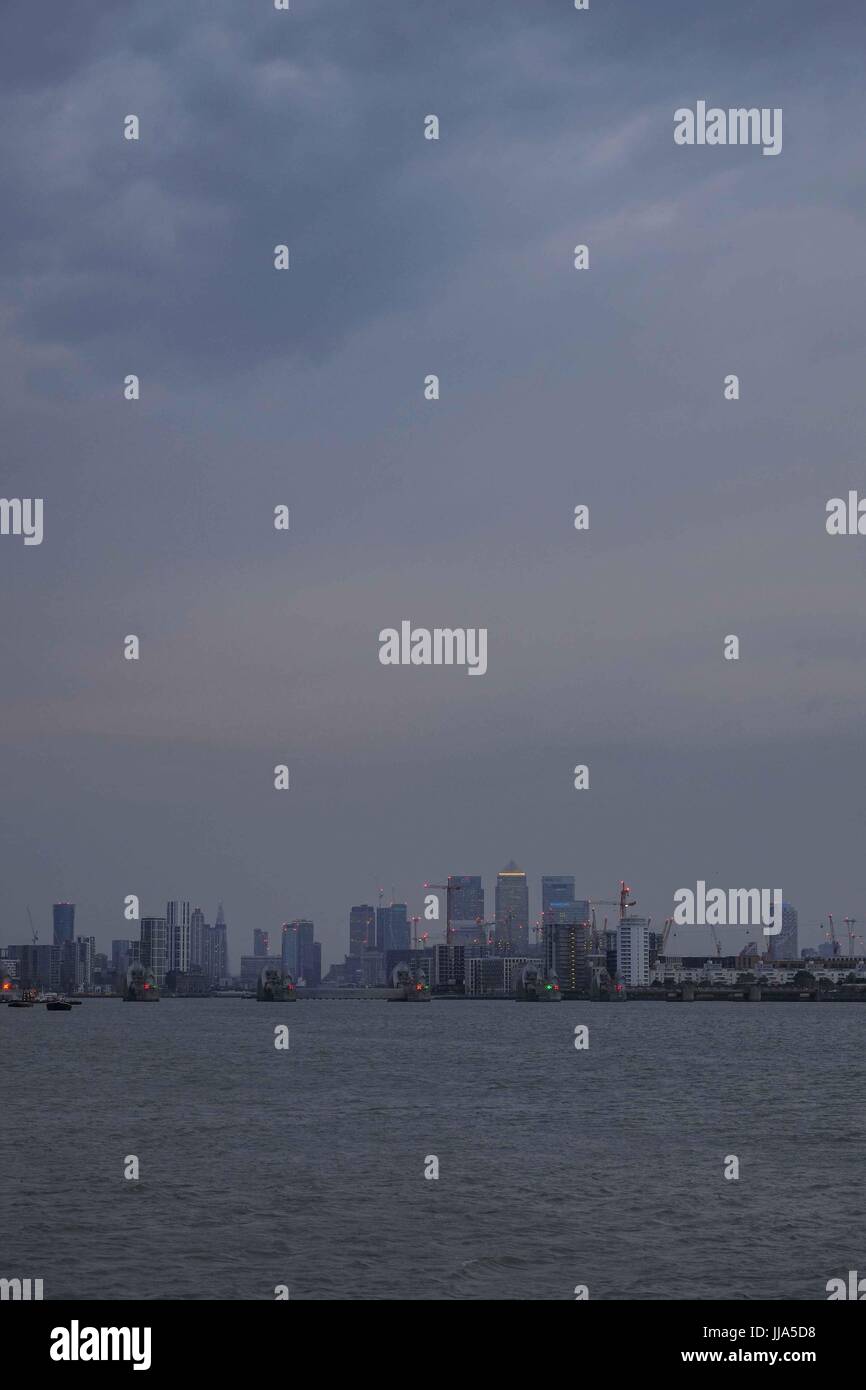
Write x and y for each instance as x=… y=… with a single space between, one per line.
x=557 y=1167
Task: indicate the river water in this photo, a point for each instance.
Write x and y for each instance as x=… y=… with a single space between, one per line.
x=305 y=1167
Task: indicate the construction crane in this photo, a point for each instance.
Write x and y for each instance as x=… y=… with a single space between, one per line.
x=834 y=943
x=849 y=923
x=622 y=902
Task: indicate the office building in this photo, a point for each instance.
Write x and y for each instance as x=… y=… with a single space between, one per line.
x=64 y=923
x=466 y=896
x=154 y=947
x=392 y=928
x=297 y=956
x=362 y=928
x=512 y=908
x=556 y=888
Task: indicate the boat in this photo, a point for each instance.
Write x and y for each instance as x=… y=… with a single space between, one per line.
x=58 y=1006
x=26 y=1001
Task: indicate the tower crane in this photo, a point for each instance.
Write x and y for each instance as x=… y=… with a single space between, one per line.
x=834 y=943
x=849 y=923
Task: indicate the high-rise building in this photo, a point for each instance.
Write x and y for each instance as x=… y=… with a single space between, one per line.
x=512 y=908
x=177 y=916
x=64 y=923
x=76 y=965
x=566 y=952
x=297 y=949
x=261 y=942
x=632 y=951
x=784 y=946
x=215 y=962
x=197 y=925
x=466 y=894
x=392 y=928
x=362 y=928
x=555 y=888
x=154 y=947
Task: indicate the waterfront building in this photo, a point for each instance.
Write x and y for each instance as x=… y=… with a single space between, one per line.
x=261 y=943
x=632 y=949
x=567 y=947
x=154 y=948
x=297 y=949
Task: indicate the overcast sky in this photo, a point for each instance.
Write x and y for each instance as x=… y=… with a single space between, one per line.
x=305 y=387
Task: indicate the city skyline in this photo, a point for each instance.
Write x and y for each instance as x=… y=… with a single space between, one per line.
x=335 y=945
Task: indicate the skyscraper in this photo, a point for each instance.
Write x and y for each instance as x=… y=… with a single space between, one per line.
x=64 y=923
x=196 y=939
x=362 y=928
x=555 y=888
x=512 y=908
x=784 y=946
x=392 y=928
x=153 y=947
x=177 y=936
x=261 y=942
x=467 y=897
x=297 y=949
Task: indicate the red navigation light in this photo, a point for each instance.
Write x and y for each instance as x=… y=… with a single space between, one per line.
x=147 y=986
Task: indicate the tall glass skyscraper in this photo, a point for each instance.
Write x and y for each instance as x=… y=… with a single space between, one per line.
x=297 y=956
x=64 y=923
x=362 y=928
x=392 y=927
x=512 y=907
x=467 y=897
x=555 y=888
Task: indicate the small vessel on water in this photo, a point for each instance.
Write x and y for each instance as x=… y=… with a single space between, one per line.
x=274 y=987
x=26 y=1001
x=140 y=985
x=58 y=1006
